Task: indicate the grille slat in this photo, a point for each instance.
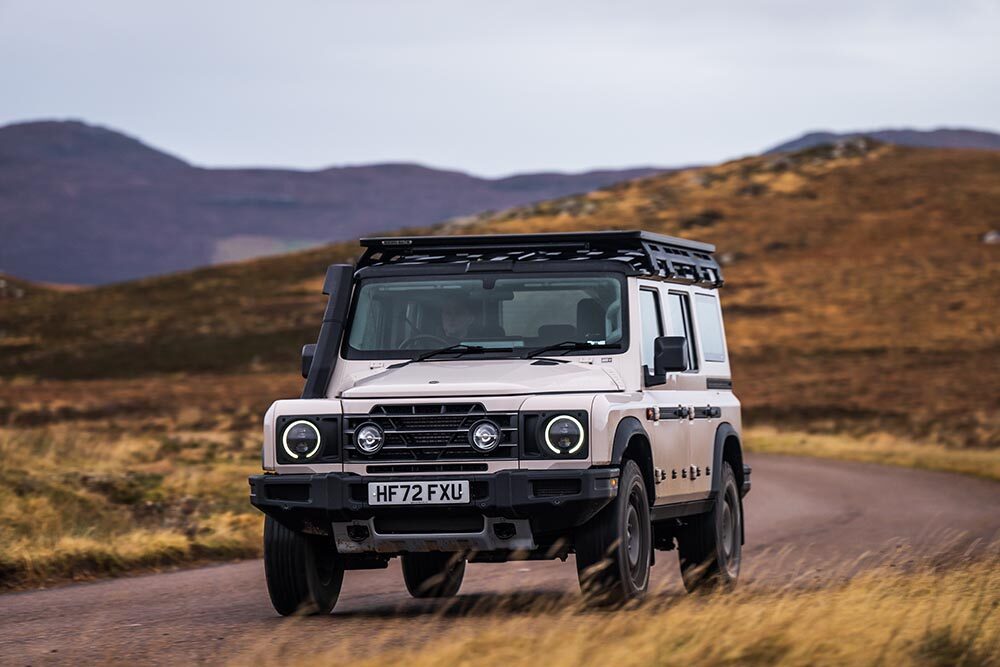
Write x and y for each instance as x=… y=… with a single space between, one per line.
x=431 y=432
x=425 y=430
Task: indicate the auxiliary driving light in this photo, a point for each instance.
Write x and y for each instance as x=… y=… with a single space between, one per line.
x=564 y=435
x=301 y=439
x=369 y=438
x=484 y=436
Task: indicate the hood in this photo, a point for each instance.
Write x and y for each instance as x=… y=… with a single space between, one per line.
x=500 y=377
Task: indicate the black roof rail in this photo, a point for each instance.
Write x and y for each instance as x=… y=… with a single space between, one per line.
x=653 y=255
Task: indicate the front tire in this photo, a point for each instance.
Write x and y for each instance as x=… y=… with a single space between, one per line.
x=711 y=545
x=433 y=574
x=614 y=548
x=304 y=573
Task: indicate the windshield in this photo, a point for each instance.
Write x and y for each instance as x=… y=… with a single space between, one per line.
x=403 y=317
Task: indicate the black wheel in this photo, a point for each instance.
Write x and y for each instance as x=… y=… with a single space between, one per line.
x=433 y=574
x=614 y=549
x=303 y=572
x=711 y=545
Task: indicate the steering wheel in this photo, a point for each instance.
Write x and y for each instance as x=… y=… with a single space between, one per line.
x=412 y=341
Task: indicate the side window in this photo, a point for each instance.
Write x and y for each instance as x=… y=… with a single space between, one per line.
x=679 y=324
x=649 y=307
x=710 y=327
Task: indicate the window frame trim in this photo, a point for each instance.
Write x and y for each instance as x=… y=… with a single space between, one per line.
x=659 y=319
x=694 y=345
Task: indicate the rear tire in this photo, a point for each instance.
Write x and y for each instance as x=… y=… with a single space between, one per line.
x=614 y=549
x=304 y=573
x=433 y=574
x=710 y=546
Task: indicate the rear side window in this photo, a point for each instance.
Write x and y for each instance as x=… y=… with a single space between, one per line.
x=679 y=324
x=713 y=347
x=649 y=307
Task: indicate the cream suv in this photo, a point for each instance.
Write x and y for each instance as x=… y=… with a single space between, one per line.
x=488 y=398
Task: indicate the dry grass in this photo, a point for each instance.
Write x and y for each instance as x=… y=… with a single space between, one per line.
x=75 y=505
x=876 y=448
x=103 y=477
x=930 y=617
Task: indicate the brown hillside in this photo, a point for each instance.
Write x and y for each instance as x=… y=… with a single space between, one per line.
x=859 y=293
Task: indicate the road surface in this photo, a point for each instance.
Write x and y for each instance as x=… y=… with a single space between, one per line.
x=805 y=519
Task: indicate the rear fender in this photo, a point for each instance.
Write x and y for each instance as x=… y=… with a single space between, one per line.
x=724 y=433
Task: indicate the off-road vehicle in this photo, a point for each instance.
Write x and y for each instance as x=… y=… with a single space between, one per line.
x=488 y=398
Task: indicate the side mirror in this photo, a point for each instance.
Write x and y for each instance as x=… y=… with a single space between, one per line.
x=670 y=355
x=308 y=352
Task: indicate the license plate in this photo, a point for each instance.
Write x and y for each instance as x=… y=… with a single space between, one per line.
x=418 y=493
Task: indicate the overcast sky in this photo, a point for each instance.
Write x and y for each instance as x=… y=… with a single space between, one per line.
x=496 y=87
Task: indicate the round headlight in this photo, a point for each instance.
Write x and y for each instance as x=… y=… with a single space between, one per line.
x=369 y=438
x=564 y=435
x=484 y=436
x=301 y=439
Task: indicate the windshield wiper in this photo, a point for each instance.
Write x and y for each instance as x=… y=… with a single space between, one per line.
x=458 y=349
x=570 y=346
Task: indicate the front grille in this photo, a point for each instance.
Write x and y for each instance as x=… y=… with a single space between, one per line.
x=440 y=422
x=431 y=432
x=426 y=467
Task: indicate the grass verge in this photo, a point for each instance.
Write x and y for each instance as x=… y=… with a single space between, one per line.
x=879 y=448
x=76 y=505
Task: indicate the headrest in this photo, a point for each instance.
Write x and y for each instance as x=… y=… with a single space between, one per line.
x=590 y=320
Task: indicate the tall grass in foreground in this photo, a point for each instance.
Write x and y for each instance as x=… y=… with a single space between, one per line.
x=884 y=617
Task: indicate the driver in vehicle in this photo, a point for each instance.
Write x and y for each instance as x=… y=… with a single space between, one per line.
x=457 y=319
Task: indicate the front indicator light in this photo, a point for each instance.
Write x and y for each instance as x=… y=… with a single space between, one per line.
x=301 y=440
x=564 y=435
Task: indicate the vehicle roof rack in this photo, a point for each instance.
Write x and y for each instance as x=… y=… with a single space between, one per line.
x=655 y=255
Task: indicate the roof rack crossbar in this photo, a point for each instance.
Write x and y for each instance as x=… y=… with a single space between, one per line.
x=653 y=255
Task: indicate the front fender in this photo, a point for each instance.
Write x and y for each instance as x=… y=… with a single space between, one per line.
x=627 y=428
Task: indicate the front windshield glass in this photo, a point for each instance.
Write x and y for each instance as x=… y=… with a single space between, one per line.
x=405 y=316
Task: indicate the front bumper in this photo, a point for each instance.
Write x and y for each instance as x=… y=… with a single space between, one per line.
x=547 y=501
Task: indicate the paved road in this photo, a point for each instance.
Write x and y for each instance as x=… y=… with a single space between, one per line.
x=805 y=519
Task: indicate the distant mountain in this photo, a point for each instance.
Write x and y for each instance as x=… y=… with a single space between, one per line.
x=939 y=138
x=85 y=204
